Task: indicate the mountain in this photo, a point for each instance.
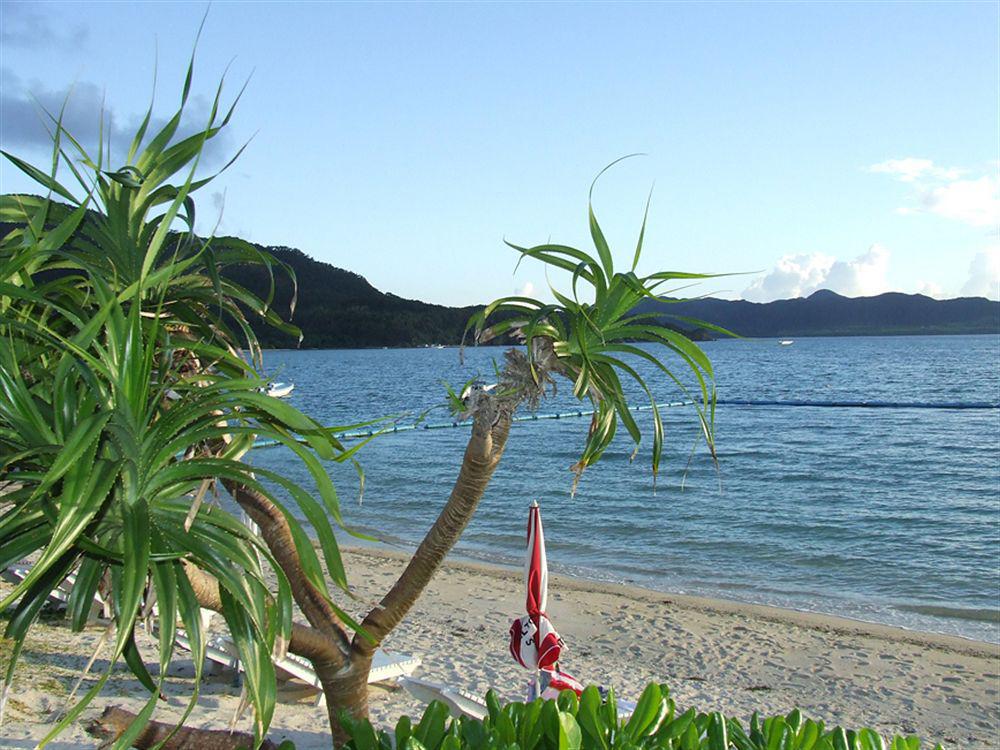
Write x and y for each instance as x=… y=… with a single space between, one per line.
x=826 y=313
x=340 y=309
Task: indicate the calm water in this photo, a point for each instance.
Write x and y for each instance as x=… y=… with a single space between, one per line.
x=883 y=515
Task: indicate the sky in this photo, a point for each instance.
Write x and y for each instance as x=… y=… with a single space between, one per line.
x=798 y=146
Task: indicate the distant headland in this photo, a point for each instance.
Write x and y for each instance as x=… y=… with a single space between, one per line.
x=337 y=308
x=340 y=309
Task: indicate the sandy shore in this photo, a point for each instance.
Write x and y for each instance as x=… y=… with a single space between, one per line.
x=714 y=655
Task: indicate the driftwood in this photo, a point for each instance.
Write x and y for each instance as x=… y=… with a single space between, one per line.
x=114 y=721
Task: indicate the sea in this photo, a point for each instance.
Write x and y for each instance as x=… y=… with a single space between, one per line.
x=888 y=515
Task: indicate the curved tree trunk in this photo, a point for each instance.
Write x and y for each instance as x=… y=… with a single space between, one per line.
x=482 y=454
x=492 y=417
x=521 y=380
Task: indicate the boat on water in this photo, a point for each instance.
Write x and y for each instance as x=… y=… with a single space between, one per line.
x=786 y=342
x=280 y=390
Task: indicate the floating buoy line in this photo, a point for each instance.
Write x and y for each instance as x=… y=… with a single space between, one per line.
x=943 y=405
x=867 y=404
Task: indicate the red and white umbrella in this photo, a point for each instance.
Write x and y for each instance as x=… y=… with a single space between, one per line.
x=534 y=643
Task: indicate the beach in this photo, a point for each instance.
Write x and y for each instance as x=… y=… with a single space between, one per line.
x=714 y=654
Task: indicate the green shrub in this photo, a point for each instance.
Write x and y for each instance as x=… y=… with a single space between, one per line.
x=590 y=723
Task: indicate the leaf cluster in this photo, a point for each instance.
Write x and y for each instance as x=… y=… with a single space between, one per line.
x=598 y=336
x=591 y=722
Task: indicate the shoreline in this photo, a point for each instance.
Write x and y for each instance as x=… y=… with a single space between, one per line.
x=773 y=612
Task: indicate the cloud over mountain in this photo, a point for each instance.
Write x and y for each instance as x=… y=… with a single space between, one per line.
x=984 y=275
x=801 y=275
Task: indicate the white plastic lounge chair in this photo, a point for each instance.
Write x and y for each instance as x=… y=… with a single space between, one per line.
x=463 y=703
x=59 y=596
x=460 y=702
x=386 y=667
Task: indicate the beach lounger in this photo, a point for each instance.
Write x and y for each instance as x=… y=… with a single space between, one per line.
x=460 y=702
x=463 y=703
x=386 y=667
x=59 y=596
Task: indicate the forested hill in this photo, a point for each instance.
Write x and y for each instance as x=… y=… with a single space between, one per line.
x=825 y=313
x=340 y=309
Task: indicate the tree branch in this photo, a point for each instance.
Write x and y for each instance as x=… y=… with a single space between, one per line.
x=305 y=640
x=277 y=535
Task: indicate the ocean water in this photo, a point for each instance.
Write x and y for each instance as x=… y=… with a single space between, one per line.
x=884 y=515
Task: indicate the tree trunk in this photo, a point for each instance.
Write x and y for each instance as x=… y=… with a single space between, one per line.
x=492 y=417
x=482 y=454
x=275 y=531
x=345 y=691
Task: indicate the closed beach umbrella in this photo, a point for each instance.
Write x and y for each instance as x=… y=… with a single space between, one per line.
x=534 y=643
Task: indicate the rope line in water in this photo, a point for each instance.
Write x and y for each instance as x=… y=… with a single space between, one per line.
x=866 y=404
x=968 y=405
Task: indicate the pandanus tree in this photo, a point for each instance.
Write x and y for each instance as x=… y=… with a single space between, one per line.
x=589 y=337
x=130 y=384
x=130 y=392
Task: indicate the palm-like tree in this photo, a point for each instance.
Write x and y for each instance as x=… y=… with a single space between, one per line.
x=126 y=397
x=590 y=343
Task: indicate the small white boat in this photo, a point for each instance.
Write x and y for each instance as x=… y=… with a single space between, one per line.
x=280 y=390
x=786 y=342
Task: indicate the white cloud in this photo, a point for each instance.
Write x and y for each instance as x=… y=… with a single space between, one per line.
x=984 y=275
x=528 y=290
x=930 y=289
x=944 y=191
x=25 y=26
x=911 y=169
x=801 y=275
x=975 y=202
x=791 y=277
x=29 y=110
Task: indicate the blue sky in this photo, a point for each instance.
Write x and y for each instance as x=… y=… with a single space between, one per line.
x=851 y=145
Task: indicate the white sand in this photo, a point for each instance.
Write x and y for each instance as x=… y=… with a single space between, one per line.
x=714 y=655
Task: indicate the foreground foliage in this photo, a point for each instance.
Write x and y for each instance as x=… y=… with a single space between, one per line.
x=590 y=723
x=130 y=392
